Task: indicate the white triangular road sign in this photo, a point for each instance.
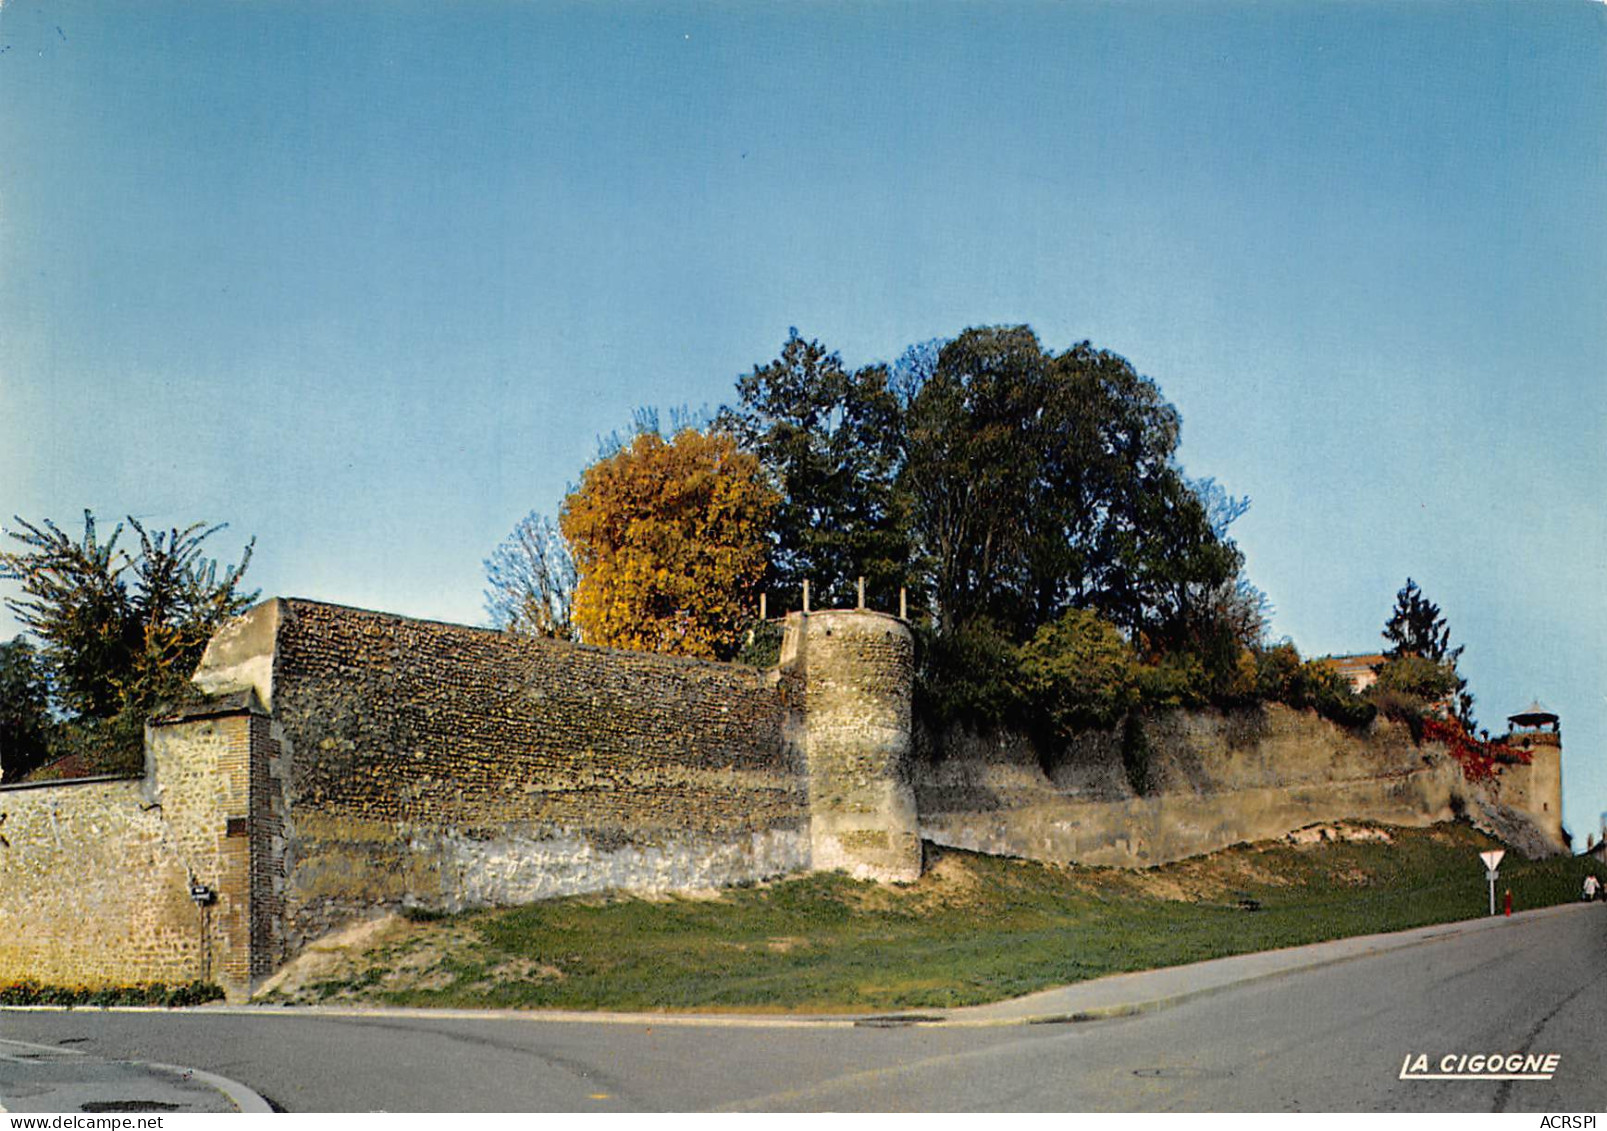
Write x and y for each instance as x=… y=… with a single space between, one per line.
x=1492 y=858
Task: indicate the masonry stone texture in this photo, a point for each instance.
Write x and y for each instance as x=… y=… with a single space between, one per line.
x=1217 y=779
x=351 y=763
x=96 y=875
x=854 y=672
x=442 y=767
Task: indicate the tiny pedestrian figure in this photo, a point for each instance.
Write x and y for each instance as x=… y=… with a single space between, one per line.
x=1592 y=888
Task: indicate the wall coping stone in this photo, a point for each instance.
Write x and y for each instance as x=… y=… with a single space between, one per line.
x=241 y=702
x=17 y=787
x=849 y=612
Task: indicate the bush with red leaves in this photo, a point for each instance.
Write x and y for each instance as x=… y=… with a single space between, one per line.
x=1477 y=759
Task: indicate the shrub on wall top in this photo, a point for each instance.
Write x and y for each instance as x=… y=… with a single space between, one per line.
x=1283 y=677
x=970 y=676
x=1080 y=672
x=1418 y=676
x=761 y=647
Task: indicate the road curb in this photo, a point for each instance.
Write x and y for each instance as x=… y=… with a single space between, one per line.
x=1155 y=1005
x=243 y=1098
x=1441 y=932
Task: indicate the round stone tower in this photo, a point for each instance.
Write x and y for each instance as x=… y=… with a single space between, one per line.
x=1536 y=789
x=851 y=673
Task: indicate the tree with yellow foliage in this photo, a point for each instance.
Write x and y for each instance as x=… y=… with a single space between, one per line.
x=670 y=543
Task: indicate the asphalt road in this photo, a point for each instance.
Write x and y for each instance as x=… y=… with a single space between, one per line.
x=1328 y=1039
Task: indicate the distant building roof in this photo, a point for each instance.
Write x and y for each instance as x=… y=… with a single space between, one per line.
x=1360 y=670
x=1344 y=665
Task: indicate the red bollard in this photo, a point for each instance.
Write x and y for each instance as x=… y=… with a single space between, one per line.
x=1509 y=903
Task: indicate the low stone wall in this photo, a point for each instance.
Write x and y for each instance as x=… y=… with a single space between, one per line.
x=1215 y=780
x=90 y=891
x=95 y=875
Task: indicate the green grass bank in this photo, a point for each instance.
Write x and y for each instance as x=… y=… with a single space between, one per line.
x=974 y=929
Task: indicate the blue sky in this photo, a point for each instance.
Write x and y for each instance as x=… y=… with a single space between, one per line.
x=368 y=280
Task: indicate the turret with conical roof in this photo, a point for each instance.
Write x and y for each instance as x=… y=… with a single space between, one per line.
x=1534 y=717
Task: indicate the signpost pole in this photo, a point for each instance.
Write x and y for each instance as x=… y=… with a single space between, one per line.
x=1492 y=860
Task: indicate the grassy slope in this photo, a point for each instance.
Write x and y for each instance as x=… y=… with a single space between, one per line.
x=973 y=929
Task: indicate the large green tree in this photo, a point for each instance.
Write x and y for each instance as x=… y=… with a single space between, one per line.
x=119 y=631
x=973 y=453
x=1044 y=482
x=831 y=440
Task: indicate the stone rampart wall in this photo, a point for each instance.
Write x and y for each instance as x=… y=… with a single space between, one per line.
x=1214 y=780
x=445 y=766
x=355 y=762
